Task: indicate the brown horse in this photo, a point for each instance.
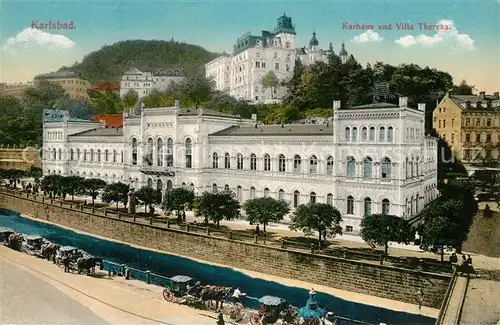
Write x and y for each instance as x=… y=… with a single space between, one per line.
x=49 y=250
x=212 y=293
x=15 y=241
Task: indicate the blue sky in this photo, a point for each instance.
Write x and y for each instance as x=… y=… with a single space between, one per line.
x=470 y=50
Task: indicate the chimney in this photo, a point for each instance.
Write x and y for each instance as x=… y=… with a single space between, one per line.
x=421 y=107
x=403 y=102
x=177 y=103
x=497 y=95
x=482 y=94
x=254 y=117
x=336 y=105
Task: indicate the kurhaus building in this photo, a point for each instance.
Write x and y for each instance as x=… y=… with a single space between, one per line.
x=368 y=159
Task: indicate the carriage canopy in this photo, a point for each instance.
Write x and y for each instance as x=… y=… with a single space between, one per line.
x=5 y=230
x=33 y=238
x=181 y=279
x=272 y=301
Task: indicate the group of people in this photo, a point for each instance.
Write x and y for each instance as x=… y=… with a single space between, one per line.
x=465 y=266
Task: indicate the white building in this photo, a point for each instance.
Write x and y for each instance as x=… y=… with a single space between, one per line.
x=240 y=74
x=369 y=159
x=144 y=82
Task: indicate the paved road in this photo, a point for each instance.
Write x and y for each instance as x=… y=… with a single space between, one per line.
x=27 y=299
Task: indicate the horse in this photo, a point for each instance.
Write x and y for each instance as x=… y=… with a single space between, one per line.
x=214 y=293
x=49 y=250
x=15 y=241
x=88 y=264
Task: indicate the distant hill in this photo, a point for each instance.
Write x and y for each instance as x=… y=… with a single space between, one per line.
x=109 y=63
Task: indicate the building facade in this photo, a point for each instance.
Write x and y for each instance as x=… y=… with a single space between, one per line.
x=14 y=89
x=240 y=74
x=369 y=159
x=74 y=85
x=470 y=125
x=145 y=82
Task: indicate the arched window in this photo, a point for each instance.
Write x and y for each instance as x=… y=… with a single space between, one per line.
x=114 y=156
x=91 y=155
x=227 y=161
x=159 y=185
x=312 y=197
x=54 y=154
x=150 y=149
x=78 y=154
x=329 y=165
x=416 y=203
x=367 y=168
x=347 y=134
x=281 y=163
x=134 y=152
x=381 y=136
x=296 y=198
x=253 y=162
x=385 y=206
x=160 y=154
x=239 y=161
x=214 y=188
x=364 y=134
x=215 y=160
x=98 y=155
x=368 y=206
x=371 y=135
x=297 y=164
x=350 y=205
x=150 y=182
x=354 y=137
x=281 y=194
x=84 y=154
x=412 y=171
x=351 y=167
x=416 y=166
x=71 y=154
x=386 y=168
x=121 y=154
x=59 y=154
x=266 y=192
x=390 y=134
x=226 y=188
x=329 y=199
x=106 y=155
x=267 y=163
x=313 y=164
x=170 y=152
x=239 y=193
x=411 y=206
x=252 y=192
x=189 y=153
x=169 y=185
x=407 y=163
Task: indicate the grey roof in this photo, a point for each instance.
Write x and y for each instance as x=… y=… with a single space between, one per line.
x=269 y=130
x=460 y=99
x=33 y=237
x=57 y=75
x=374 y=105
x=271 y=301
x=102 y=132
x=181 y=278
x=67 y=248
x=206 y=112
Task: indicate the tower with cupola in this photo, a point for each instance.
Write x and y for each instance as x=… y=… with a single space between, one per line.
x=343 y=54
x=314 y=43
x=284 y=33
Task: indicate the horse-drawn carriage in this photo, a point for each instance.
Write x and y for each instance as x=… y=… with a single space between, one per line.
x=181 y=290
x=32 y=244
x=70 y=252
x=15 y=241
x=274 y=310
x=4 y=235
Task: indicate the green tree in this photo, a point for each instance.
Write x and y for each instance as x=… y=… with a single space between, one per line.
x=320 y=217
x=80 y=109
x=462 y=89
x=92 y=187
x=270 y=81
x=71 y=185
x=116 y=192
x=196 y=89
x=52 y=184
x=130 y=99
x=382 y=229
x=105 y=103
x=149 y=197
x=264 y=210
x=444 y=225
x=218 y=206
x=176 y=199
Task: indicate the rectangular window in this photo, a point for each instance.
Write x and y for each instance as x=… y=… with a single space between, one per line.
x=444 y=123
x=452 y=138
x=467 y=154
x=452 y=122
x=287 y=68
x=488 y=154
x=488 y=137
x=444 y=136
x=478 y=122
x=277 y=66
x=478 y=137
x=263 y=65
x=257 y=64
x=439 y=124
x=467 y=122
x=488 y=122
x=467 y=137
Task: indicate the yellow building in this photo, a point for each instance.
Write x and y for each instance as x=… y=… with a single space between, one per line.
x=14 y=89
x=470 y=124
x=75 y=86
x=19 y=158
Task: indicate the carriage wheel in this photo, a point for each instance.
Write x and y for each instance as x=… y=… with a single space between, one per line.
x=168 y=295
x=315 y=321
x=237 y=312
x=255 y=319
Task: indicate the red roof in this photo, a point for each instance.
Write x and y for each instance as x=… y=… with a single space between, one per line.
x=111 y=120
x=106 y=86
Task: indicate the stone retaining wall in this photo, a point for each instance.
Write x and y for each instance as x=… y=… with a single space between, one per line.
x=376 y=280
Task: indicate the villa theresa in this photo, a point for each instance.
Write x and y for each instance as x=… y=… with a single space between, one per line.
x=368 y=159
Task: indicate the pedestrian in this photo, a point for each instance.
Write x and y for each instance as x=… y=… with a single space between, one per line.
x=257 y=230
x=469 y=260
x=220 y=320
x=464 y=260
x=66 y=264
x=453 y=258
